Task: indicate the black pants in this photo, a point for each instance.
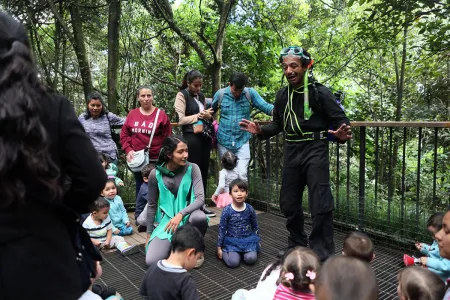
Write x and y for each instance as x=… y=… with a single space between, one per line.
x=307 y=164
x=199 y=147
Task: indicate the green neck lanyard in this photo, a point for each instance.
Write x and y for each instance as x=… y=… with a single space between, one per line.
x=289 y=114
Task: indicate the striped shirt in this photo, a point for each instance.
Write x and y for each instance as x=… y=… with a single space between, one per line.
x=97 y=232
x=285 y=293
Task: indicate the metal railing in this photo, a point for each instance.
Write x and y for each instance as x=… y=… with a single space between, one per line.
x=387 y=180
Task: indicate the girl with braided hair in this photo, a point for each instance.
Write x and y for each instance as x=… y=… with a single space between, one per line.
x=42 y=144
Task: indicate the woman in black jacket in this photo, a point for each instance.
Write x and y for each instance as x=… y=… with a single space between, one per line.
x=42 y=144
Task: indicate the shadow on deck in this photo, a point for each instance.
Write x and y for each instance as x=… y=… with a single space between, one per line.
x=216 y=281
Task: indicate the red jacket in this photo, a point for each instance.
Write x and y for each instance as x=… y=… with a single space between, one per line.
x=136 y=131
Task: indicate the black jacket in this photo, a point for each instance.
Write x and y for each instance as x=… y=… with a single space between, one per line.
x=37 y=258
x=326 y=112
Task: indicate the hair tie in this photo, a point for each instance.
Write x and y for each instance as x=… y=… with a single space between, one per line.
x=289 y=276
x=311 y=274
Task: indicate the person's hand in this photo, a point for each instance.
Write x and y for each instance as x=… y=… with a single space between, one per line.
x=173 y=223
x=419 y=246
x=214 y=198
x=205 y=114
x=219 y=252
x=121 y=183
x=106 y=244
x=130 y=156
x=128 y=224
x=343 y=133
x=117 y=231
x=96 y=243
x=252 y=127
x=423 y=260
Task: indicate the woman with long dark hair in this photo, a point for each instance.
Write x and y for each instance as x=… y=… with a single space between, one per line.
x=42 y=143
x=175 y=197
x=196 y=123
x=97 y=122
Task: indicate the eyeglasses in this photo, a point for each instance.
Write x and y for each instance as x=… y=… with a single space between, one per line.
x=293 y=50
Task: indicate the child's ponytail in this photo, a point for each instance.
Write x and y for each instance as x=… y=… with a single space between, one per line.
x=299 y=269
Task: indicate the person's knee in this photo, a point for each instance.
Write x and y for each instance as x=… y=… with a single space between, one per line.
x=198 y=219
x=250 y=258
x=233 y=263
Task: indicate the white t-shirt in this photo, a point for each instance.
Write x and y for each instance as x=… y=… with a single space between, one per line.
x=97 y=232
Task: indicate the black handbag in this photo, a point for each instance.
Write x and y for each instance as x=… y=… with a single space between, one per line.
x=87 y=254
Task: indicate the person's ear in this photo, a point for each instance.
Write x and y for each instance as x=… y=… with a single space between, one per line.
x=190 y=252
x=373 y=257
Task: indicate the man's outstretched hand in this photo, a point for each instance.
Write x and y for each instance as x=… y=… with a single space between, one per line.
x=343 y=133
x=252 y=127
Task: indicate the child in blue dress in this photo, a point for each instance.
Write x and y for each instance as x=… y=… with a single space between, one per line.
x=117 y=211
x=238 y=230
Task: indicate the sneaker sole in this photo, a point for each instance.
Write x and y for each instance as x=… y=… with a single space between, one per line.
x=211 y=215
x=132 y=250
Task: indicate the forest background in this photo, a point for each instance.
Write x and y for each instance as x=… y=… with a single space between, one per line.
x=391 y=58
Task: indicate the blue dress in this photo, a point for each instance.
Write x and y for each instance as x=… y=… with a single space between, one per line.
x=238 y=230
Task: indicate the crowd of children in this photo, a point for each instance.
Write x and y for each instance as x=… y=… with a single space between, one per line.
x=296 y=275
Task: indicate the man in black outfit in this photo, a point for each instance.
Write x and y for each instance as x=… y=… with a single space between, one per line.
x=304 y=111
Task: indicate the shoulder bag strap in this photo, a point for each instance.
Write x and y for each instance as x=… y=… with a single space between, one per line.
x=155 y=123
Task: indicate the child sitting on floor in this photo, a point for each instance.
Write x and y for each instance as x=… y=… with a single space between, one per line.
x=297 y=276
x=99 y=227
x=169 y=278
x=117 y=212
x=267 y=284
x=110 y=168
x=142 y=196
x=419 y=283
x=344 y=277
x=432 y=259
x=229 y=173
x=238 y=229
x=359 y=245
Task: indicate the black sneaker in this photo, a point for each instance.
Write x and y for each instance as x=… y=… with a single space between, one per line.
x=208 y=212
x=142 y=228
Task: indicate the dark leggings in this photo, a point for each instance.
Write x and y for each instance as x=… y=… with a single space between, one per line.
x=139 y=181
x=233 y=259
x=199 y=147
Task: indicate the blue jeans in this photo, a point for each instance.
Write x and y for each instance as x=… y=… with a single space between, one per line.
x=243 y=155
x=124 y=230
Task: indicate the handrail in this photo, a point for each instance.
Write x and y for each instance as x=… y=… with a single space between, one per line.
x=414 y=124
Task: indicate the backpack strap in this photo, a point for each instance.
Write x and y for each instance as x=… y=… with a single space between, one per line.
x=220 y=94
x=248 y=96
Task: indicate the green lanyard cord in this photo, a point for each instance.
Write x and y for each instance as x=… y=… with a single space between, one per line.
x=289 y=113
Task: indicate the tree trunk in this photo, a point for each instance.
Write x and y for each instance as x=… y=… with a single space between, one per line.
x=79 y=47
x=163 y=9
x=113 y=52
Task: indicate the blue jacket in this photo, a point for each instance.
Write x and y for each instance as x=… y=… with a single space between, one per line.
x=117 y=212
x=436 y=263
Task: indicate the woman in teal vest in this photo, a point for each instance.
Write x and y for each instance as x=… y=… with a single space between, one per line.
x=175 y=197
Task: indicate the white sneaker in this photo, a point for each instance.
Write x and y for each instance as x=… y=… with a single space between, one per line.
x=200 y=262
x=132 y=249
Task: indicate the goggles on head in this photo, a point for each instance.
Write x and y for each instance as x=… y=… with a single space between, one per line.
x=293 y=50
